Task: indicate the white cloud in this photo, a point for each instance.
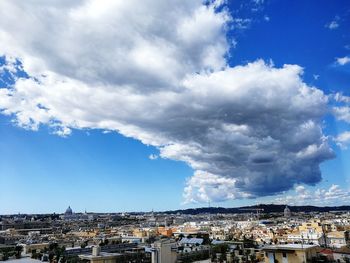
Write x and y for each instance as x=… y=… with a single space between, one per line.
x=342 y=109
x=241 y=23
x=343 y=61
x=322 y=197
x=339 y=97
x=342 y=113
x=64 y=131
x=343 y=139
x=156 y=71
x=334 y=24
x=153 y=156
x=204 y=186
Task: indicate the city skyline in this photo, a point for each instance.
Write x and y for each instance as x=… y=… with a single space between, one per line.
x=131 y=106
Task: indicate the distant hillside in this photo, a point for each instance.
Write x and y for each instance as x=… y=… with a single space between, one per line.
x=268 y=208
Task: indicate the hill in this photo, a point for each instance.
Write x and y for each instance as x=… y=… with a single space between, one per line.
x=268 y=208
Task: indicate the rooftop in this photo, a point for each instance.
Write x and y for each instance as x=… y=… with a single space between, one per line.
x=289 y=247
x=102 y=255
x=191 y=240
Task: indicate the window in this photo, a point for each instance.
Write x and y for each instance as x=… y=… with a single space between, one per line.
x=284 y=254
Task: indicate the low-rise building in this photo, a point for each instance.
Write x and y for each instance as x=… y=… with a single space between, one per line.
x=290 y=253
x=164 y=251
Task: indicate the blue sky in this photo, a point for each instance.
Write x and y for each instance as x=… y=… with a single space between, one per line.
x=92 y=170
x=67 y=139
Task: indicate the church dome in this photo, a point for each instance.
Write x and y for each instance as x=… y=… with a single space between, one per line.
x=69 y=211
x=287 y=212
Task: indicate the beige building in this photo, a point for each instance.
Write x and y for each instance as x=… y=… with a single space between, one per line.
x=314 y=226
x=290 y=253
x=100 y=257
x=337 y=239
x=29 y=248
x=164 y=251
x=137 y=232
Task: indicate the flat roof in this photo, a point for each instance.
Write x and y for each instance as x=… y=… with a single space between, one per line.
x=24 y=260
x=102 y=255
x=289 y=247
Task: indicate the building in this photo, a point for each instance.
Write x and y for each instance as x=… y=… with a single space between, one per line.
x=130 y=239
x=308 y=238
x=29 y=248
x=337 y=239
x=69 y=215
x=69 y=211
x=164 y=251
x=191 y=244
x=313 y=226
x=287 y=212
x=342 y=254
x=290 y=253
x=100 y=257
x=114 y=255
x=165 y=231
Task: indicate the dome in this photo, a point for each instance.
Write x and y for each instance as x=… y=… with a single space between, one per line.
x=287 y=212
x=69 y=211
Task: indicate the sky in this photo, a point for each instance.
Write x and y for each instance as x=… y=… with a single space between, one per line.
x=160 y=105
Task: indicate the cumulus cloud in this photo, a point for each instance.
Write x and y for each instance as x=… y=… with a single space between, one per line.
x=204 y=186
x=341 y=110
x=342 y=113
x=343 y=139
x=343 y=61
x=321 y=196
x=156 y=71
x=153 y=156
x=334 y=24
x=339 y=97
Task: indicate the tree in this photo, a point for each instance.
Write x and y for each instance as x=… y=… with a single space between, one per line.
x=51 y=256
x=150 y=240
x=252 y=257
x=222 y=257
x=220 y=248
x=18 y=250
x=53 y=246
x=5 y=256
x=34 y=254
x=246 y=253
x=63 y=259
x=44 y=258
x=74 y=259
x=206 y=240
